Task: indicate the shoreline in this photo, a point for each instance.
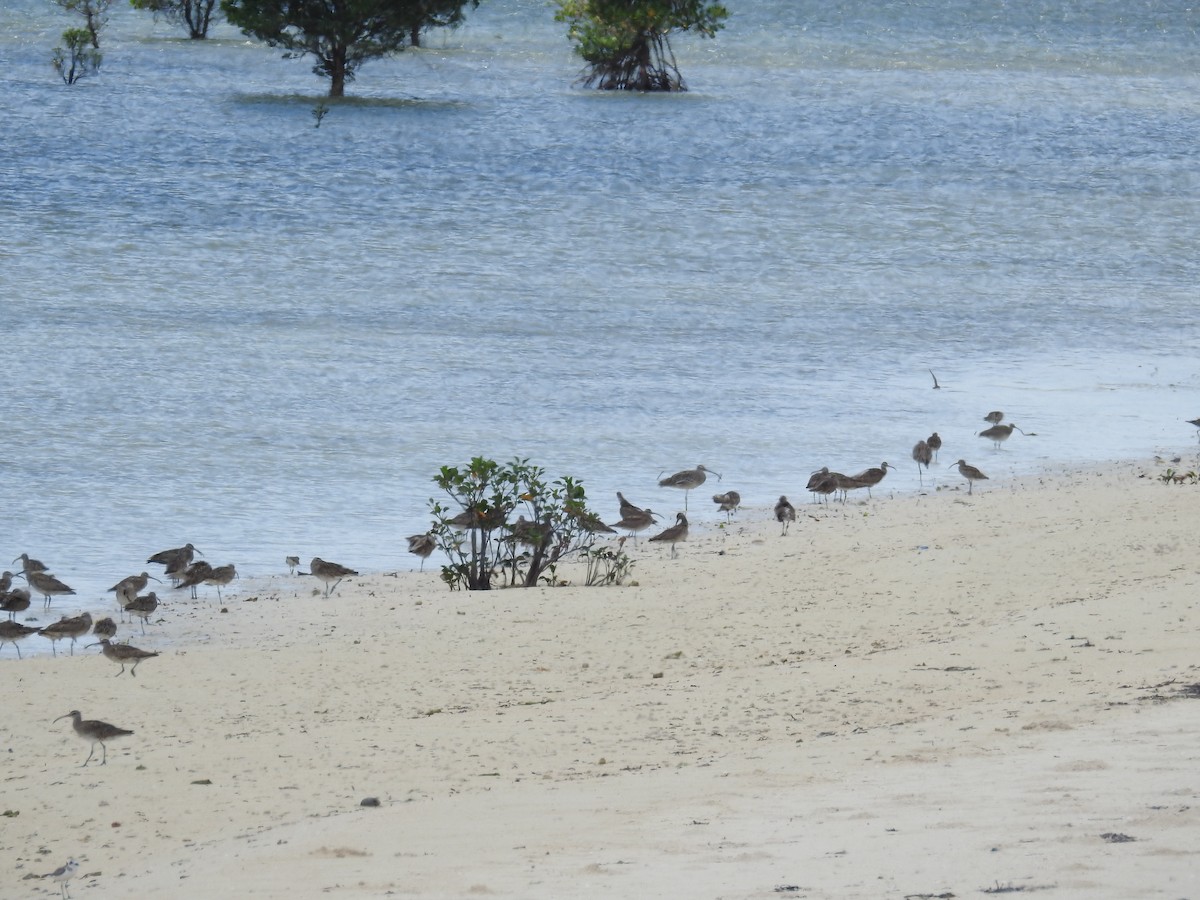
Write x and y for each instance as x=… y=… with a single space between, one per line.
x=829 y=711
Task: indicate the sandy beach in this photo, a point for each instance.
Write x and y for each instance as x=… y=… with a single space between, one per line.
x=911 y=696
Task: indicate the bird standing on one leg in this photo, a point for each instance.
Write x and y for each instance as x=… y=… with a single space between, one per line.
x=970 y=473
x=923 y=456
x=686 y=480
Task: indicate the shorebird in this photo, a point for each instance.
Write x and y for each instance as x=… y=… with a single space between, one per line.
x=785 y=514
x=105 y=628
x=293 y=562
x=47 y=585
x=14 y=601
x=923 y=456
x=998 y=434
x=935 y=443
x=867 y=477
x=686 y=480
x=30 y=565
x=1195 y=422
x=220 y=577
x=329 y=572
x=970 y=473
x=485 y=519
x=590 y=522
x=175 y=561
x=95 y=732
x=625 y=506
x=675 y=534
x=728 y=502
x=67 y=627
x=529 y=534
x=635 y=520
x=194 y=576
x=6 y=582
x=422 y=545
x=143 y=607
x=122 y=654
x=132 y=584
x=823 y=483
x=11 y=632
x=62 y=875
x=995 y=417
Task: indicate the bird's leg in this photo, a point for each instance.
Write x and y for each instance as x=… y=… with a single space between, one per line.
x=90 y=752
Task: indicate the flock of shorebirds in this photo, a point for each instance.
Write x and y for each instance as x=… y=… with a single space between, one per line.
x=184 y=571
x=821 y=484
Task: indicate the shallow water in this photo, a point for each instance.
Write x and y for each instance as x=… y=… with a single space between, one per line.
x=230 y=327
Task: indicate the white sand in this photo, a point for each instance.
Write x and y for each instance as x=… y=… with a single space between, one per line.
x=904 y=697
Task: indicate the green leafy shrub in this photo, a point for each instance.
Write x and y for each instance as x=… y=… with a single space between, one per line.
x=507 y=524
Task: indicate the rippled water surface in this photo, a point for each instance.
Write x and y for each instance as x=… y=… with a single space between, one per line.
x=227 y=326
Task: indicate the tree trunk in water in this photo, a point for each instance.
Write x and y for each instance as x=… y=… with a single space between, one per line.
x=337 y=72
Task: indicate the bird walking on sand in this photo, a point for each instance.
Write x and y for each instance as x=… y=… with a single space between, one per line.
x=728 y=503
x=970 y=473
x=122 y=654
x=422 y=545
x=1195 y=422
x=11 y=632
x=998 y=434
x=686 y=480
x=67 y=627
x=94 y=732
x=47 y=585
x=143 y=607
x=329 y=572
x=62 y=875
x=995 y=417
x=293 y=563
x=675 y=534
x=935 y=443
x=923 y=457
x=785 y=514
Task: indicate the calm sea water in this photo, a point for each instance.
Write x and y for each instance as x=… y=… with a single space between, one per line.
x=227 y=326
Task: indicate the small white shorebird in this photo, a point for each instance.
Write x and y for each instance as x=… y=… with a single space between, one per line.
x=62 y=875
